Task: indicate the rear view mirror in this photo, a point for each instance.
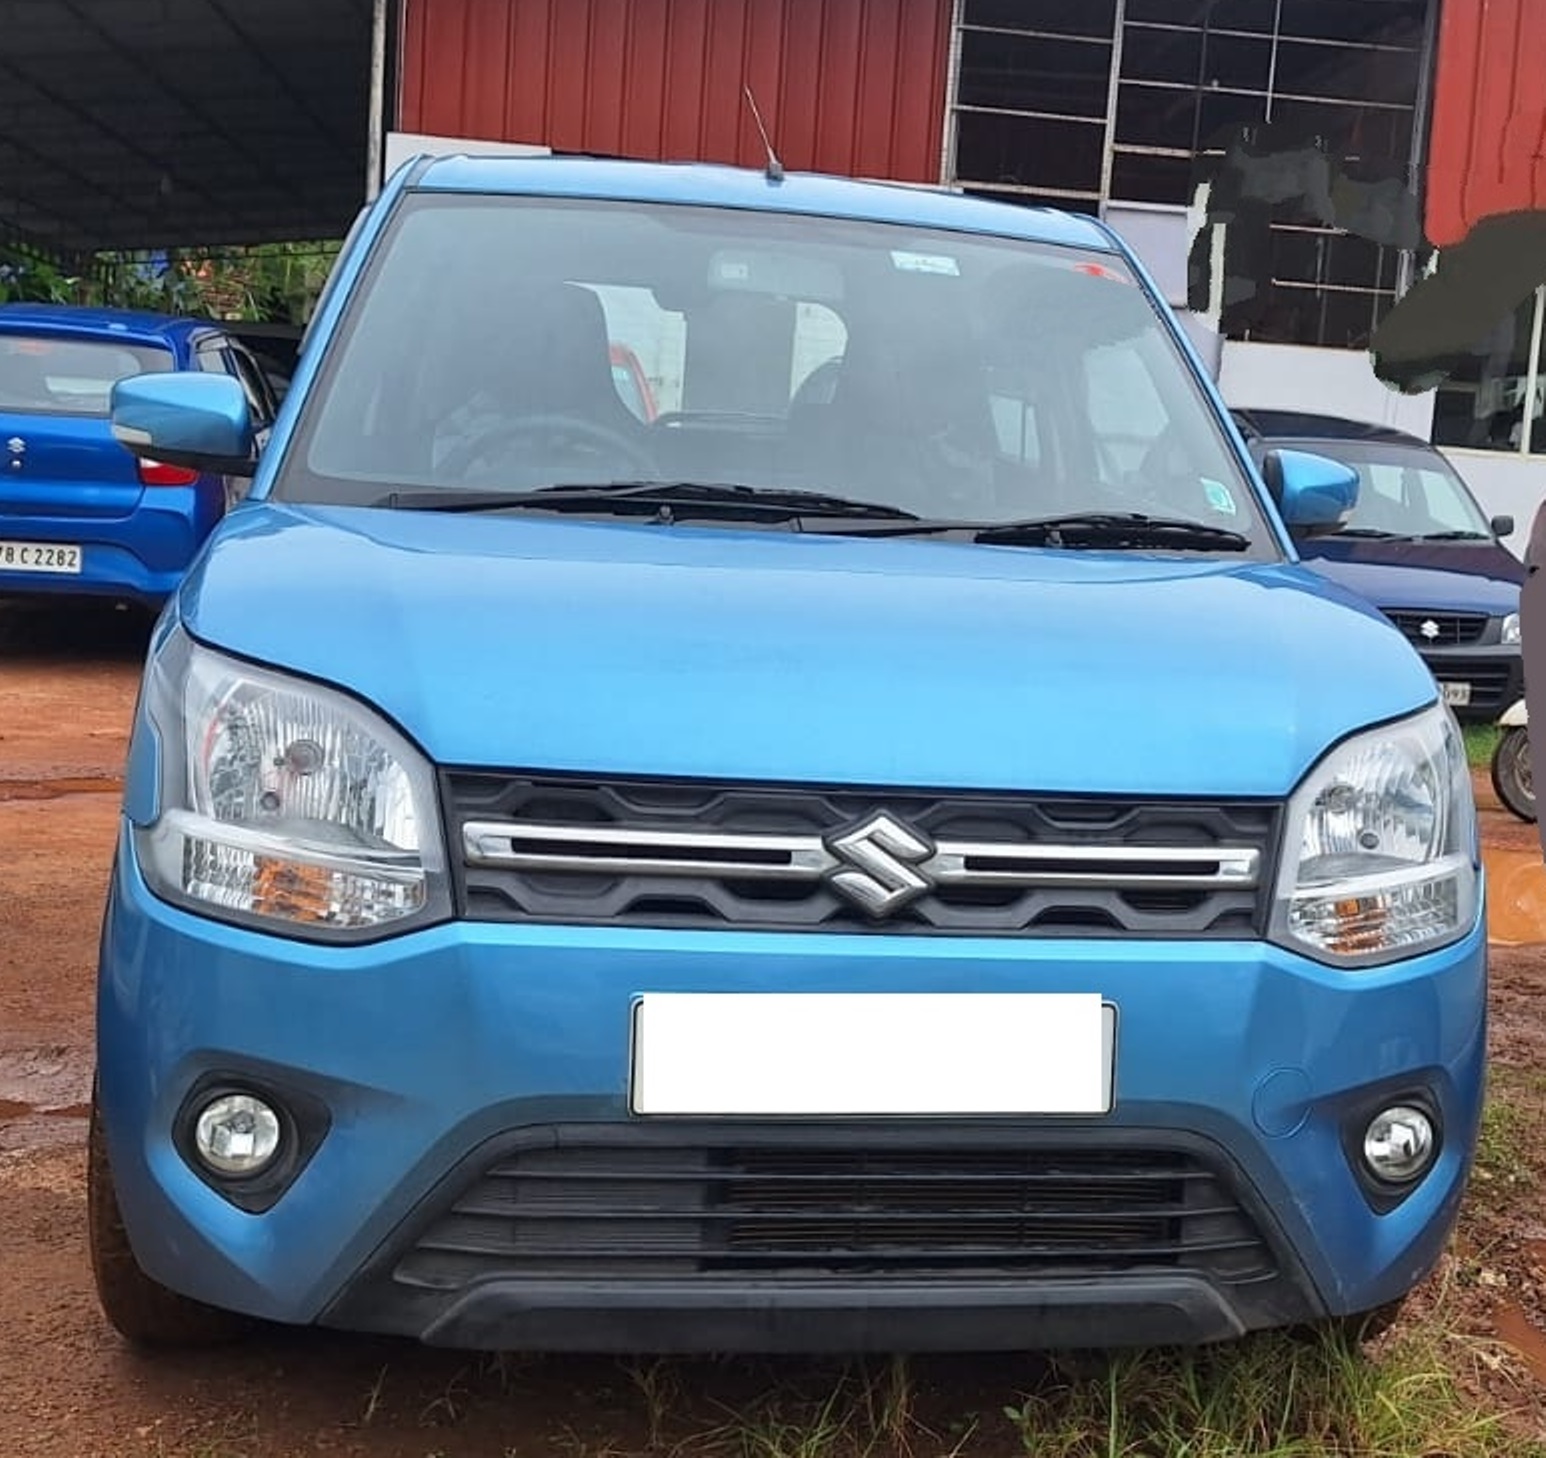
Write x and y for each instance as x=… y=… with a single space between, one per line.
x=197 y=420
x=1314 y=493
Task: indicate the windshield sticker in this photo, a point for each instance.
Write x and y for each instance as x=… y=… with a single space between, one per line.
x=925 y=263
x=1218 y=496
x=1099 y=270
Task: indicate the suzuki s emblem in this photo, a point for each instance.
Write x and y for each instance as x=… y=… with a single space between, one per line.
x=882 y=856
x=16 y=445
x=1429 y=629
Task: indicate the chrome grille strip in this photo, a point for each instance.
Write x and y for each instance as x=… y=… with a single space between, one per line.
x=580 y=849
x=1003 y=863
x=623 y=851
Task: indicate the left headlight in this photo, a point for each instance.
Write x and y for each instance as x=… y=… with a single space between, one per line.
x=286 y=805
x=1511 y=628
x=1380 y=847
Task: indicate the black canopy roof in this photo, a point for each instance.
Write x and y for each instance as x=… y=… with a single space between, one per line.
x=139 y=124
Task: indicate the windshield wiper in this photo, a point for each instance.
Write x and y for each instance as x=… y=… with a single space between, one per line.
x=1078 y=529
x=1453 y=536
x=668 y=498
x=1112 y=529
x=1374 y=533
x=673 y=499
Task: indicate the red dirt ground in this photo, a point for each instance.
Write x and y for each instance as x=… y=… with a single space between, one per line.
x=67 y=685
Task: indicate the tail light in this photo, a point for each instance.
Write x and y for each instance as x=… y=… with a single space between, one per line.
x=158 y=473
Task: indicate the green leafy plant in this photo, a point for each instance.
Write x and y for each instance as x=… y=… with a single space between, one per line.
x=270 y=282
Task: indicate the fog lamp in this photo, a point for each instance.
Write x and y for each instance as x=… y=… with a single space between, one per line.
x=237 y=1134
x=1398 y=1144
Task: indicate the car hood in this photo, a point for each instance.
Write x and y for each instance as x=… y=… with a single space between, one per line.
x=1477 y=577
x=541 y=643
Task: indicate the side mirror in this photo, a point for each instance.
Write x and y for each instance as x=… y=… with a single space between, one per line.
x=1314 y=493
x=1502 y=526
x=185 y=419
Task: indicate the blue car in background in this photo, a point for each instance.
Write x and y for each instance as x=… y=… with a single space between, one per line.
x=80 y=515
x=1420 y=548
x=912 y=863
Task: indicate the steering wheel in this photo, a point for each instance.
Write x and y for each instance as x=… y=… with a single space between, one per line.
x=591 y=439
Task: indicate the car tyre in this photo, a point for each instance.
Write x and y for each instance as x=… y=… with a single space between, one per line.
x=144 y=1312
x=1511 y=779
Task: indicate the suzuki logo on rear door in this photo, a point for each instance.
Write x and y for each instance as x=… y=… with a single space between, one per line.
x=16 y=445
x=884 y=854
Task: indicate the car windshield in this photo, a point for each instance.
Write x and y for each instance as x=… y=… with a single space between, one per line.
x=46 y=375
x=952 y=376
x=1404 y=491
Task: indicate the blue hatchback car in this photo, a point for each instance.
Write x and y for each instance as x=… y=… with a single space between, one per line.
x=80 y=516
x=912 y=863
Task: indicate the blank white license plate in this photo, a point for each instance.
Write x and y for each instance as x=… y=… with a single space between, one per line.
x=1458 y=694
x=773 y=1054
x=39 y=557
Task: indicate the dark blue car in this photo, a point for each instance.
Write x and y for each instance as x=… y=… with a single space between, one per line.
x=1420 y=548
x=80 y=516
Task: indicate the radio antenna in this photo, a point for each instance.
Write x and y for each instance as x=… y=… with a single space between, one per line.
x=775 y=168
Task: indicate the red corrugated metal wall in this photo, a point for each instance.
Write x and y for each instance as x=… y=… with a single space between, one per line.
x=1487 y=141
x=848 y=86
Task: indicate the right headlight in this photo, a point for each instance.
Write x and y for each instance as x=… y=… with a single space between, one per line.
x=286 y=805
x=1380 y=852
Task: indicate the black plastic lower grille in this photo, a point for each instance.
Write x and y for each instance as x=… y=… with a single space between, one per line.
x=796 y=1212
x=1489 y=680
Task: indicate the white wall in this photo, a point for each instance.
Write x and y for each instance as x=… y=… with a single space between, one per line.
x=1506 y=485
x=400 y=146
x=1328 y=381
x=1161 y=237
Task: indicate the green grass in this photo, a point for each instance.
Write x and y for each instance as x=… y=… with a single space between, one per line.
x=1272 y=1397
x=1502 y=1143
x=1269 y=1396
x=1480 y=740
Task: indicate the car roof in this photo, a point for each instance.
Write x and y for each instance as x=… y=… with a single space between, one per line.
x=140 y=324
x=1306 y=425
x=715 y=185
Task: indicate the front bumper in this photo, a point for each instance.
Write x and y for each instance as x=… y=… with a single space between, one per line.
x=440 y=1057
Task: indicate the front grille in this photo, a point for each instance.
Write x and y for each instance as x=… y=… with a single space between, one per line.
x=1444 y=630
x=677 y=854
x=791 y=1210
